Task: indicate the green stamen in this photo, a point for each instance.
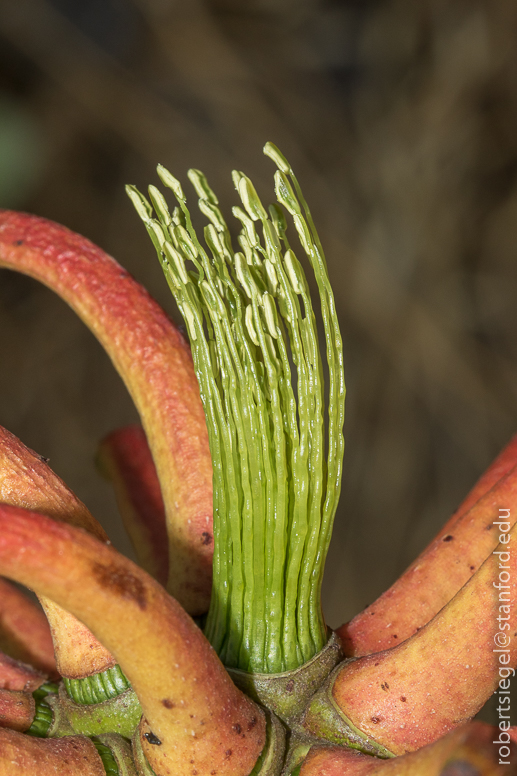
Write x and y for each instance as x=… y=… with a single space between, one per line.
x=97 y=688
x=44 y=715
x=105 y=753
x=277 y=460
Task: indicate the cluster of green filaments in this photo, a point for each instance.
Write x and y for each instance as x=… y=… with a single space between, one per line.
x=277 y=457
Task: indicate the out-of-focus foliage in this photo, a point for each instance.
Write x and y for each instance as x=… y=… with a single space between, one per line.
x=22 y=153
x=401 y=120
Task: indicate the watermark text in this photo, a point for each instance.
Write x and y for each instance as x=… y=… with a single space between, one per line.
x=502 y=637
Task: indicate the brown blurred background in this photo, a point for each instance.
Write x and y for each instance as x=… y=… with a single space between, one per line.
x=400 y=118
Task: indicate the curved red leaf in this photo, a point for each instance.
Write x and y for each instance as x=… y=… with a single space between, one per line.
x=154 y=362
x=188 y=699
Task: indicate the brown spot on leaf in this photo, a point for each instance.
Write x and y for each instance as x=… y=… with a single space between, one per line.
x=403 y=699
x=289 y=686
x=394 y=636
x=168 y=703
x=472 y=568
x=448 y=538
x=122 y=582
x=206 y=538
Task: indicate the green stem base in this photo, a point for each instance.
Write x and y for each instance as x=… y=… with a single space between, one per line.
x=117 y=715
x=287 y=694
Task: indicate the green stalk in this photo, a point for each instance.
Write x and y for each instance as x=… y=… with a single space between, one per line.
x=255 y=349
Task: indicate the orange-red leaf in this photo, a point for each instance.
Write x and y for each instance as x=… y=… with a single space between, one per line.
x=124 y=458
x=24 y=629
x=154 y=362
x=27 y=480
x=435 y=576
x=467 y=751
x=411 y=695
x=189 y=701
x=22 y=755
x=15 y=675
x=16 y=710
